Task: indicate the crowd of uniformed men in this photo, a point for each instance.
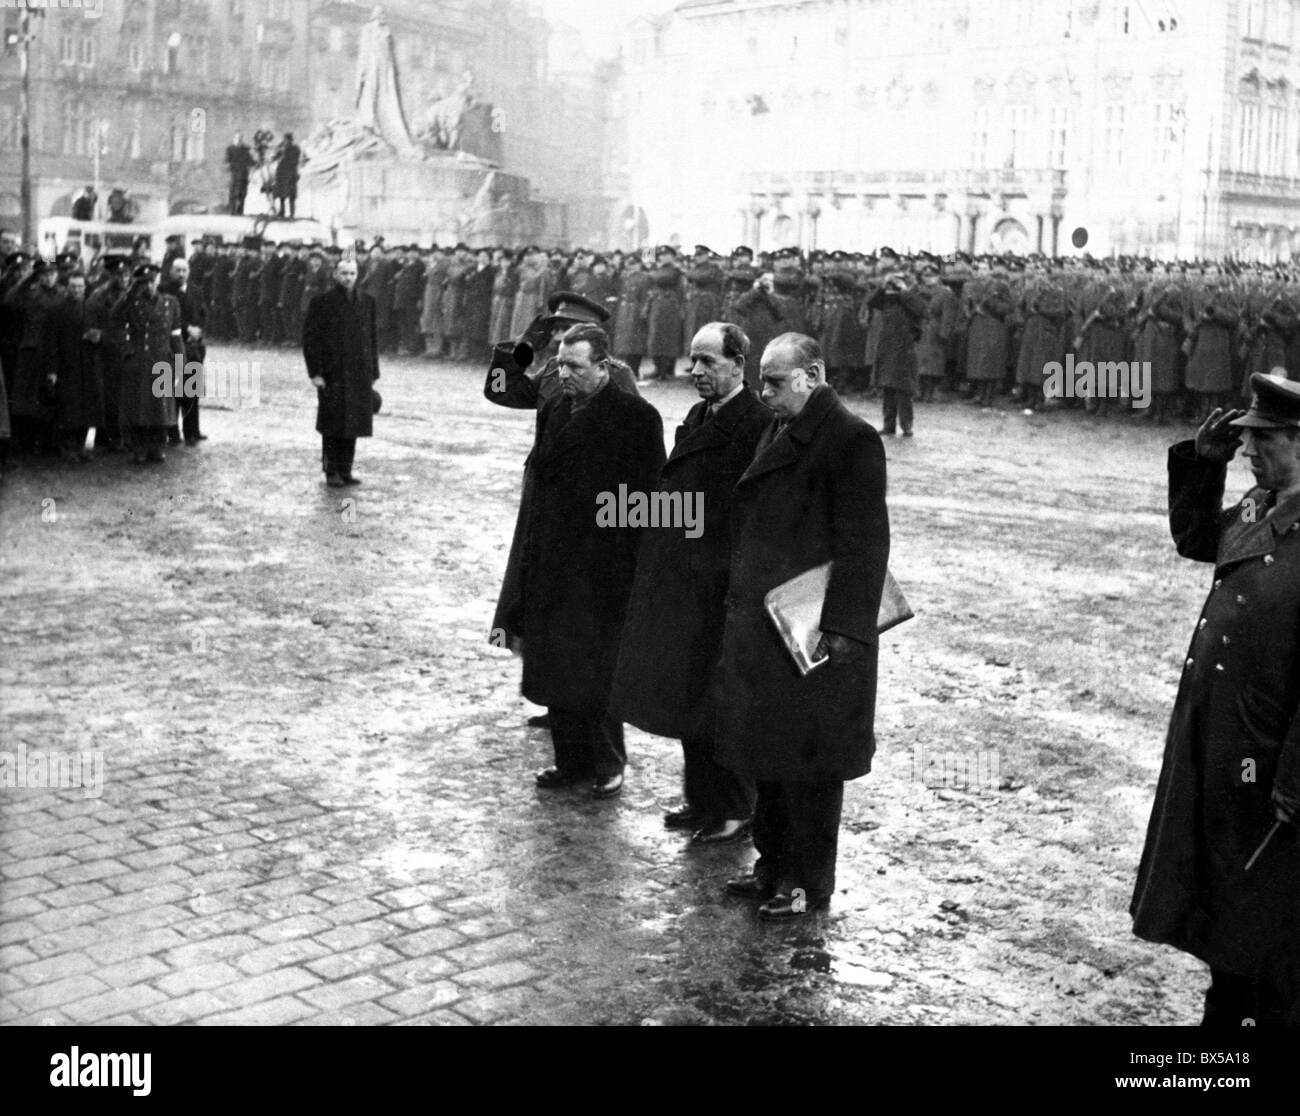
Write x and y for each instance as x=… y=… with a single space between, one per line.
x=898 y=326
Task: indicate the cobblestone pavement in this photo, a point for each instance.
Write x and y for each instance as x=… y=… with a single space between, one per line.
x=318 y=806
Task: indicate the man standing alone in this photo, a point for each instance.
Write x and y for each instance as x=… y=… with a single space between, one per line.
x=1220 y=873
x=339 y=345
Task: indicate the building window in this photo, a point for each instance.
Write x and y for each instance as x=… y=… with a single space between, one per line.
x=1114 y=137
x=277 y=9
x=1018 y=127
x=67 y=50
x=1058 y=136
x=265 y=76
x=1275 y=141
x=336 y=40
x=134 y=57
x=1167 y=133
x=1123 y=19
x=1253 y=19
x=8 y=128
x=980 y=140
x=1247 y=137
x=76 y=129
x=282 y=74
x=86 y=51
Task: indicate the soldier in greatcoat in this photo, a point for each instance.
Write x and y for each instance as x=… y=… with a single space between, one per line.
x=1220 y=874
x=150 y=324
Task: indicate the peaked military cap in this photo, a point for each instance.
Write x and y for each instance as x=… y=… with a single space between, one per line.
x=1276 y=404
x=570 y=307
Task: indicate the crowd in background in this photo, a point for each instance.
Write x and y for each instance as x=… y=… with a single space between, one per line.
x=905 y=327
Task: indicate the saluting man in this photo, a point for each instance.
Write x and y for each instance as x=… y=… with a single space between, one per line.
x=1220 y=874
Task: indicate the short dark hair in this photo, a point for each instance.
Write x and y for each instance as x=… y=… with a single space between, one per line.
x=596 y=337
x=735 y=342
x=805 y=349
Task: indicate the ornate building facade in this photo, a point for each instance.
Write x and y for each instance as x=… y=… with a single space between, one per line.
x=161 y=86
x=1166 y=128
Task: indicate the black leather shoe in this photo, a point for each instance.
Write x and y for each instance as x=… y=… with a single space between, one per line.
x=348 y=478
x=334 y=480
x=787 y=906
x=724 y=832
x=542 y=720
x=749 y=887
x=607 y=786
x=553 y=778
x=688 y=817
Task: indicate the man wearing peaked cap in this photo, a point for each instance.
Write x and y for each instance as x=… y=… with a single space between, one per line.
x=1220 y=874
x=150 y=334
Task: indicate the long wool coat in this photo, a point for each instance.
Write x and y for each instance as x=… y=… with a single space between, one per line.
x=665 y=307
x=901 y=315
x=151 y=334
x=509 y=384
x=629 y=336
x=1160 y=339
x=1210 y=367
x=339 y=345
x=673 y=634
x=79 y=392
x=988 y=337
x=576 y=574
x=1234 y=738
x=813 y=494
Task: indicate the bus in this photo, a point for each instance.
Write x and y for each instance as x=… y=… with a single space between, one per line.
x=90 y=239
x=229 y=229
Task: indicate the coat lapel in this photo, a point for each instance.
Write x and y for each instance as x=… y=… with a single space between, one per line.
x=698 y=433
x=576 y=429
x=789 y=445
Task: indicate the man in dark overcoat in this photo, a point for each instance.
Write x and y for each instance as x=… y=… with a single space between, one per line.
x=340 y=346
x=592 y=441
x=70 y=362
x=525 y=375
x=902 y=312
x=105 y=335
x=673 y=634
x=32 y=302
x=630 y=317
x=814 y=493
x=194 y=320
x=664 y=308
x=150 y=325
x=1231 y=767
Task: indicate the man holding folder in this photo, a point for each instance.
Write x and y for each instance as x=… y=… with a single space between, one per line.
x=814 y=493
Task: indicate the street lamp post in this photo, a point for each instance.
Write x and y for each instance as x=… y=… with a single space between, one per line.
x=24 y=128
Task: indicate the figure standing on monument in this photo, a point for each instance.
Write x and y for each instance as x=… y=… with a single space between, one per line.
x=239 y=161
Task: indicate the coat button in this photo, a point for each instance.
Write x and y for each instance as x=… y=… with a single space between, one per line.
x=1201 y=624
x=1226 y=641
x=1218 y=583
x=1268 y=559
x=1241 y=599
x=1188 y=663
x=1218 y=666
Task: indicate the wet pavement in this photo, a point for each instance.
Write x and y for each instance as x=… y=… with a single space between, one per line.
x=318 y=803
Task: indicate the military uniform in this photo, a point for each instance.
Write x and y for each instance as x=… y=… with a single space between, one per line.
x=1232 y=754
